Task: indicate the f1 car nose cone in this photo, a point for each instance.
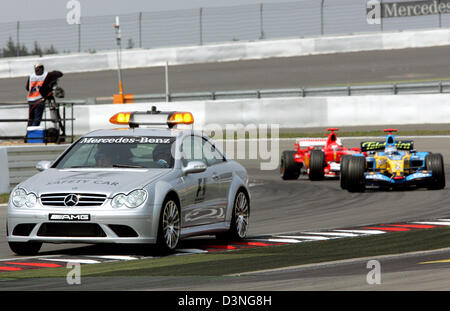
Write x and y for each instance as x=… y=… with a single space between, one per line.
x=71 y=200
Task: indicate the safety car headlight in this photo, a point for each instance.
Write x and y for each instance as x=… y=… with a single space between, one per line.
x=132 y=200
x=21 y=198
x=31 y=200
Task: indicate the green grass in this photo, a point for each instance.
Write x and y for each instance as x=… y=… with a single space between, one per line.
x=225 y=263
x=4 y=198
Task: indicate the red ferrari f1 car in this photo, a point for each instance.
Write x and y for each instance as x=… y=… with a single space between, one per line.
x=317 y=157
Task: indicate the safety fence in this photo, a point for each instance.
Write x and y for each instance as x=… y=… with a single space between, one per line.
x=54 y=131
x=432 y=87
x=203 y=26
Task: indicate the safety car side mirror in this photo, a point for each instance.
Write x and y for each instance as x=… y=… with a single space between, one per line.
x=43 y=165
x=194 y=167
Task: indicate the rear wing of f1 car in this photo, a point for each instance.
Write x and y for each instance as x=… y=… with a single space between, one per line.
x=406 y=145
x=314 y=142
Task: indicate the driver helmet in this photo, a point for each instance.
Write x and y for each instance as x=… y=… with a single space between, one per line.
x=162 y=154
x=335 y=147
x=390 y=149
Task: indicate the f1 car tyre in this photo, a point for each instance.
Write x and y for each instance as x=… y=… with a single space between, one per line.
x=240 y=219
x=355 y=178
x=345 y=159
x=289 y=169
x=169 y=225
x=316 y=165
x=25 y=248
x=435 y=163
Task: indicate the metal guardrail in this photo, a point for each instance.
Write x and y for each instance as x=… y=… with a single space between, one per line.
x=434 y=87
x=63 y=122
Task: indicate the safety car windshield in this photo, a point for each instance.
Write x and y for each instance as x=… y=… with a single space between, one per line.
x=119 y=152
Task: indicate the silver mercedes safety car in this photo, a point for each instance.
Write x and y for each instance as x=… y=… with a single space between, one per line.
x=152 y=185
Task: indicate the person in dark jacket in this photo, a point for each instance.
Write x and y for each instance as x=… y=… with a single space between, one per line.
x=39 y=87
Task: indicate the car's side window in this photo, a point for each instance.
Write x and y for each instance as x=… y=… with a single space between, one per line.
x=192 y=149
x=196 y=148
x=211 y=154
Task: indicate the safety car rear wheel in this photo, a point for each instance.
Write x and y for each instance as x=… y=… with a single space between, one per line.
x=355 y=178
x=316 y=165
x=239 y=220
x=435 y=163
x=345 y=159
x=289 y=169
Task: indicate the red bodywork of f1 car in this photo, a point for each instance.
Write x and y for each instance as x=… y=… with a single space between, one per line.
x=317 y=157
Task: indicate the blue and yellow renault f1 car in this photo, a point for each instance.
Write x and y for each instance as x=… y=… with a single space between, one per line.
x=390 y=164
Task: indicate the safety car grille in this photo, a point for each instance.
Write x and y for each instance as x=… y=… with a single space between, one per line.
x=75 y=230
x=82 y=199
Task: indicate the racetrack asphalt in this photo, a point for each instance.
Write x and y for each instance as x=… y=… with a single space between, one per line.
x=419 y=64
x=291 y=206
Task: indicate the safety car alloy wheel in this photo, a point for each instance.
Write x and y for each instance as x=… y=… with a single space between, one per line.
x=169 y=230
x=241 y=215
x=240 y=219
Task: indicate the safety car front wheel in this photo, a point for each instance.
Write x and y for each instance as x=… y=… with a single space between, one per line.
x=169 y=226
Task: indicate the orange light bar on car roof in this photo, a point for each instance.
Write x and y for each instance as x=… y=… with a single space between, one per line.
x=180 y=117
x=120 y=118
x=152 y=118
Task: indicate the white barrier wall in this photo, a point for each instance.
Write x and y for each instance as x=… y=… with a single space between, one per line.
x=292 y=112
x=139 y=58
x=18 y=163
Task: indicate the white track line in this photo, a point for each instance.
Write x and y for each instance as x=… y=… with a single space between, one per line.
x=438 y=223
x=115 y=257
x=363 y=231
x=336 y=234
x=277 y=240
x=192 y=250
x=85 y=261
x=304 y=237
